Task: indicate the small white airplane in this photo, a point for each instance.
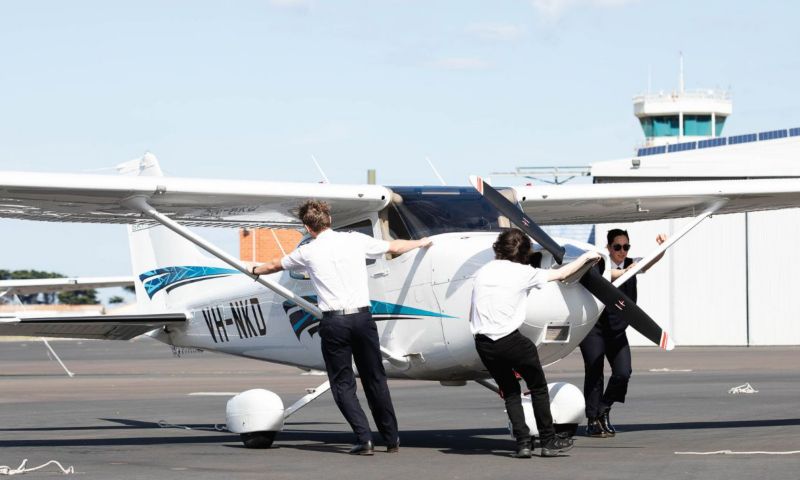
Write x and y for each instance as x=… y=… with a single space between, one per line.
x=191 y=294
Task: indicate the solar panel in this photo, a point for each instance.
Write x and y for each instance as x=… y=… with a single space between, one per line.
x=750 y=137
x=771 y=135
x=719 y=141
x=681 y=147
x=712 y=142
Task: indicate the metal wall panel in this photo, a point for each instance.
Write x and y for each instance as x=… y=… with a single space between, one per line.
x=698 y=290
x=774 y=268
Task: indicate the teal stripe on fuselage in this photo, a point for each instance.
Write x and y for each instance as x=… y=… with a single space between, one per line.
x=385 y=308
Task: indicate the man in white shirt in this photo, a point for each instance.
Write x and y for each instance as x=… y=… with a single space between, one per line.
x=498 y=310
x=335 y=261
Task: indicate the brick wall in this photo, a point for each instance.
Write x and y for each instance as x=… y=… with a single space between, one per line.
x=266 y=244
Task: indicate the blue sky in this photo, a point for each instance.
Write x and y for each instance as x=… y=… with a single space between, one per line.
x=252 y=89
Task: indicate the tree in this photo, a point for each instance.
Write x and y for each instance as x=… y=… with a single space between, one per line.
x=78 y=297
x=116 y=299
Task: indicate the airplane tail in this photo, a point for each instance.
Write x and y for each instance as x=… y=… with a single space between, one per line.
x=161 y=259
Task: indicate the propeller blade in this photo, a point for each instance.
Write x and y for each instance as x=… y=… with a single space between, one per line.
x=611 y=296
x=517 y=217
x=615 y=300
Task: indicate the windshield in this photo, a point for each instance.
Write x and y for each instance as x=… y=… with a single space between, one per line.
x=426 y=211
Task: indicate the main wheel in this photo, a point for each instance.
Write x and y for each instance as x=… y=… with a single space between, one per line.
x=258 y=439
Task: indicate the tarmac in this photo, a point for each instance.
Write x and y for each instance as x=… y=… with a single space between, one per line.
x=134 y=410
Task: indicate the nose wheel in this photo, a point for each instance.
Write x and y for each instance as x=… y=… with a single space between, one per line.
x=258 y=439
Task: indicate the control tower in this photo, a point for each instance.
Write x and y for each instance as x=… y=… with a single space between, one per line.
x=681 y=116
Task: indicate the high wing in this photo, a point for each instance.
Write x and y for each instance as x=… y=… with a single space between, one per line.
x=48 y=285
x=633 y=202
x=102 y=327
x=193 y=202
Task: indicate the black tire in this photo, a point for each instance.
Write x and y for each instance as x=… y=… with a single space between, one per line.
x=258 y=439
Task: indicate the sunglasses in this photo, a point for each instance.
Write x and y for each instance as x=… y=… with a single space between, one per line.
x=617 y=247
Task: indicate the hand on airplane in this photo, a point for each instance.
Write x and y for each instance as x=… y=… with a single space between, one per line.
x=661 y=238
x=425 y=242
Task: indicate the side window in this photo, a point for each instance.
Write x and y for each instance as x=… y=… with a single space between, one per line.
x=365 y=227
x=301 y=275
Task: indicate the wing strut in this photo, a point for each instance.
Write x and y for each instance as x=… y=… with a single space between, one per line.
x=140 y=204
x=648 y=260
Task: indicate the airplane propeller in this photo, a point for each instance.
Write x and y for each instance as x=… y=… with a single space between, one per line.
x=592 y=280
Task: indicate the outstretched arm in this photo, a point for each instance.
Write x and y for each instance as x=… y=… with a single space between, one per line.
x=572 y=267
x=398 y=247
x=272 y=266
x=660 y=238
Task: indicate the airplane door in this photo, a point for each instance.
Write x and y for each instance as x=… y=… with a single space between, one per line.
x=454 y=265
x=409 y=317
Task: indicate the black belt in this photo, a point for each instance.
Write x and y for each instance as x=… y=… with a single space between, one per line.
x=346 y=311
x=483 y=338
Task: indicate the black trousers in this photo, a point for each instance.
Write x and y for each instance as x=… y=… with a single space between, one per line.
x=354 y=338
x=613 y=345
x=515 y=352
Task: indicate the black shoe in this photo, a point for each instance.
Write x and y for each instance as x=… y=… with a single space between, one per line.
x=362 y=449
x=594 y=429
x=556 y=446
x=393 y=447
x=605 y=423
x=523 y=451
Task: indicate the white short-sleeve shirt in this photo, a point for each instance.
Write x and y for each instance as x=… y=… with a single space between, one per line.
x=335 y=261
x=499 y=297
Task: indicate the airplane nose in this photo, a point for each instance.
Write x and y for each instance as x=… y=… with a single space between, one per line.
x=558 y=316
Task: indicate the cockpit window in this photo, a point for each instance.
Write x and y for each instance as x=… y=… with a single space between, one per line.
x=426 y=211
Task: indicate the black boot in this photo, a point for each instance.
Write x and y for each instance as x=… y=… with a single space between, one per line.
x=594 y=429
x=605 y=423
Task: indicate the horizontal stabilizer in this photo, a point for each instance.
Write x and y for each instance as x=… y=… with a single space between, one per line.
x=48 y=285
x=99 y=327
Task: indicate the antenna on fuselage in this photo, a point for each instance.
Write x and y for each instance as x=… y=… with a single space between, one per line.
x=435 y=172
x=321 y=172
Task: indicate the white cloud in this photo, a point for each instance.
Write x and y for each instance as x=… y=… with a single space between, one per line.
x=495 y=31
x=461 y=63
x=553 y=9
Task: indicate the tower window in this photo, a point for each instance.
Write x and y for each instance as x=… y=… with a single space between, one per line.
x=660 y=126
x=697 y=125
x=719 y=123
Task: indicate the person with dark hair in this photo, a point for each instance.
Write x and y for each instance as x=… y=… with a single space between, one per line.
x=335 y=262
x=498 y=310
x=607 y=339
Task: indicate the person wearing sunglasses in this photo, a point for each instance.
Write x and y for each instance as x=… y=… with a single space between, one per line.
x=607 y=339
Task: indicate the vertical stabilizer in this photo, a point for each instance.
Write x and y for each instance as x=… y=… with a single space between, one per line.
x=156 y=252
